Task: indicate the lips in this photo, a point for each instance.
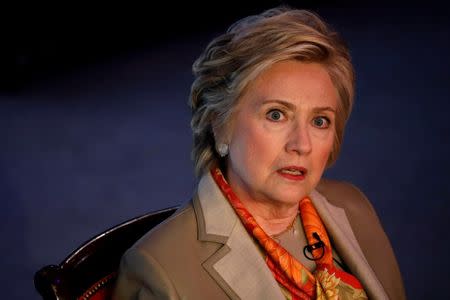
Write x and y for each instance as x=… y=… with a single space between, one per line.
x=293 y=172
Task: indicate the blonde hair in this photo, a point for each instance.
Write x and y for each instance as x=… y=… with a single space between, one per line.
x=247 y=48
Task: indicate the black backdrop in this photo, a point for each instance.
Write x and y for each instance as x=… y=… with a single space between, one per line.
x=94 y=124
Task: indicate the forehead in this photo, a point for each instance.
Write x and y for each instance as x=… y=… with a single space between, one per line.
x=293 y=81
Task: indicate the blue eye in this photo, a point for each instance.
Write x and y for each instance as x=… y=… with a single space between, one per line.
x=321 y=122
x=275 y=115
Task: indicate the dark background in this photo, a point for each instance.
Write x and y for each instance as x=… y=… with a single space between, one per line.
x=94 y=123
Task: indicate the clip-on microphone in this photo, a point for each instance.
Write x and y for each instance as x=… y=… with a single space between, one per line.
x=315 y=246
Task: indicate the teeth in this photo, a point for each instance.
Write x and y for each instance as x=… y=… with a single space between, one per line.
x=292 y=172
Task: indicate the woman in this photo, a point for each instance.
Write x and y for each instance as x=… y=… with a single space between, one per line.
x=270 y=101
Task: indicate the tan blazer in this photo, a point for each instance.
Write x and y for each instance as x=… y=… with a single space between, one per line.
x=204 y=252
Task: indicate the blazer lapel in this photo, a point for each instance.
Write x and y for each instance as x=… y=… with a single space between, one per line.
x=238 y=267
x=340 y=231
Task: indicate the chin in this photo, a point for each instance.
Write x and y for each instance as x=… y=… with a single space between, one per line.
x=292 y=197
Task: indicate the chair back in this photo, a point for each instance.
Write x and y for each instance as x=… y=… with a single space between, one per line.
x=90 y=271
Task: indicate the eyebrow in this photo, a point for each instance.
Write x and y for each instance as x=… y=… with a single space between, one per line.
x=285 y=103
x=292 y=106
x=325 y=108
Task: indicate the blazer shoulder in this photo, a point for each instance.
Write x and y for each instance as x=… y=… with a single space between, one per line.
x=179 y=231
x=345 y=195
x=179 y=228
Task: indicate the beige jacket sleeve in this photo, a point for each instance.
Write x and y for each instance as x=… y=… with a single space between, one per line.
x=141 y=277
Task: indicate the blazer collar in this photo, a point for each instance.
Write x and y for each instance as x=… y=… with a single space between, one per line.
x=238 y=266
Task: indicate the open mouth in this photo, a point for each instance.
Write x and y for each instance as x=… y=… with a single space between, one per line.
x=293 y=172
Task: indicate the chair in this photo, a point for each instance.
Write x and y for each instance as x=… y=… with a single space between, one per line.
x=90 y=271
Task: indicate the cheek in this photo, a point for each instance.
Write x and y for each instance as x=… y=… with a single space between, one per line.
x=264 y=144
x=246 y=145
x=252 y=148
x=324 y=156
x=324 y=148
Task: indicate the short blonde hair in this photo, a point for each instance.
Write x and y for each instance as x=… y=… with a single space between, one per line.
x=248 y=47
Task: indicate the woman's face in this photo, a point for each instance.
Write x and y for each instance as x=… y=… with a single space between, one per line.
x=282 y=133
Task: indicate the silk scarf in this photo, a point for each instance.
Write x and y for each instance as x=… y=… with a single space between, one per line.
x=296 y=281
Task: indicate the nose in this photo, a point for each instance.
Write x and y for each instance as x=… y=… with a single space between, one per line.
x=299 y=140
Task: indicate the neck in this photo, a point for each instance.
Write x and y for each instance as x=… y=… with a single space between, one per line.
x=273 y=219
x=272 y=216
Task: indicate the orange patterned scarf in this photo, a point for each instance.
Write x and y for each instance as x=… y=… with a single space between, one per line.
x=327 y=282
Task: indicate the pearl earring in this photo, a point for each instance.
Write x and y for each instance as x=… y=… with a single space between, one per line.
x=222 y=149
